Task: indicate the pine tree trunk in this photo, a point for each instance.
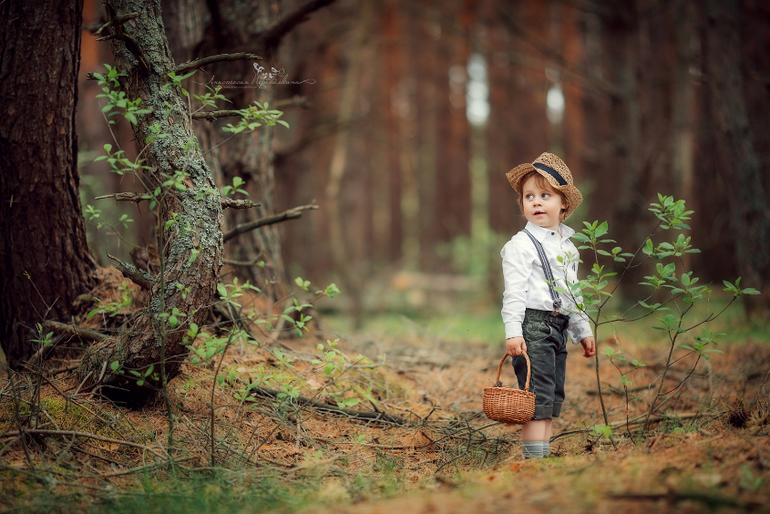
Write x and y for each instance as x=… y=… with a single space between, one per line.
x=44 y=257
x=191 y=247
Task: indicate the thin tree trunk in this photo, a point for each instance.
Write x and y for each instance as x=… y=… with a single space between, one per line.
x=350 y=277
x=749 y=214
x=44 y=257
x=191 y=248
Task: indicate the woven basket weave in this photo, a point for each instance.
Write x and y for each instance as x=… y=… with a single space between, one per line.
x=508 y=405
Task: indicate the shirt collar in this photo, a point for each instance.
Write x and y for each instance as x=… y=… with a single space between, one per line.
x=541 y=233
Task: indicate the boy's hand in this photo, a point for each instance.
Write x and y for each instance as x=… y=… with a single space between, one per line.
x=589 y=346
x=515 y=346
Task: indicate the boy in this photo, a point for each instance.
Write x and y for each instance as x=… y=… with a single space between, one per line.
x=537 y=318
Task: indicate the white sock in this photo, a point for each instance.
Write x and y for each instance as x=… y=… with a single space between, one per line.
x=532 y=449
x=546 y=448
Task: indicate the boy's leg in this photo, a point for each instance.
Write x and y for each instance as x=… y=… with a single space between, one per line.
x=560 y=371
x=547 y=438
x=535 y=430
x=532 y=435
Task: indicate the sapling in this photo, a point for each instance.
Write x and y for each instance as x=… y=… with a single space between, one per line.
x=679 y=288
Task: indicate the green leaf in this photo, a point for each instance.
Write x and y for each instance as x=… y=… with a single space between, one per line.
x=603 y=430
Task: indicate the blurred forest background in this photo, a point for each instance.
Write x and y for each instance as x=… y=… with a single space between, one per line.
x=405 y=116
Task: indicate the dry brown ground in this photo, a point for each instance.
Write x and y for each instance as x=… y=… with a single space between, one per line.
x=447 y=459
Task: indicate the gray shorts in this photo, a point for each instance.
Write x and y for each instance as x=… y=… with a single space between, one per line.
x=544 y=333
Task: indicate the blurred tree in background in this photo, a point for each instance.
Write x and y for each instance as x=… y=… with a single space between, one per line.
x=412 y=112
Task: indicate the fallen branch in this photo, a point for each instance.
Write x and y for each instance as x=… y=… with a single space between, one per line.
x=350 y=413
x=639 y=420
x=141 y=469
x=713 y=501
x=74 y=330
x=73 y=433
x=140 y=277
x=293 y=213
x=204 y=61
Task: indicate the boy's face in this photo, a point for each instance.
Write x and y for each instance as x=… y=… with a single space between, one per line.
x=541 y=206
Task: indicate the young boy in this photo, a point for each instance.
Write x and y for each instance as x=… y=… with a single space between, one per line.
x=537 y=318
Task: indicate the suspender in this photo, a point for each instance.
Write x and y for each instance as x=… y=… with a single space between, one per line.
x=547 y=270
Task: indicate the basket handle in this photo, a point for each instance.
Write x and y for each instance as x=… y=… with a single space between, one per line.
x=498 y=383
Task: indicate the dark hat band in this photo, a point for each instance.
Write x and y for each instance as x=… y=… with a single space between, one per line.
x=555 y=174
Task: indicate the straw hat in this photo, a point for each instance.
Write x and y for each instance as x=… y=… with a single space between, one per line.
x=556 y=173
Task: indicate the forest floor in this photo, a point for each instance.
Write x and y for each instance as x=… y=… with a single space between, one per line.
x=709 y=450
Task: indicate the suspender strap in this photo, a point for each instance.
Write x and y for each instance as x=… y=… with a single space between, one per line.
x=547 y=270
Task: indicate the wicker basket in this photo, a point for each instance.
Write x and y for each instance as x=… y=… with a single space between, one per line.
x=508 y=405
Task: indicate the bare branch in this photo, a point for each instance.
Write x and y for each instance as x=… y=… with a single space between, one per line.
x=296 y=100
x=203 y=61
x=244 y=264
x=213 y=115
x=229 y=203
x=140 y=277
x=124 y=197
x=273 y=35
x=290 y=214
x=117 y=21
x=557 y=57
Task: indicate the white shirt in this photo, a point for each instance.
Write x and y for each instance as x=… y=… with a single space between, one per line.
x=525 y=284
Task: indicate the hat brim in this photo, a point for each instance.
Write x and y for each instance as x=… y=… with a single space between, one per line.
x=571 y=194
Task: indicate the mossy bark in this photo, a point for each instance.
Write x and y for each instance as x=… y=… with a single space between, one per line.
x=191 y=246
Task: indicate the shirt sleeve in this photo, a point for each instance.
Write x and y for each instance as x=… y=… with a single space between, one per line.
x=579 y=327
x=517 y=268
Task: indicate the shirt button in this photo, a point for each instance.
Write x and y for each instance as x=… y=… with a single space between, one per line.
x=553 y=233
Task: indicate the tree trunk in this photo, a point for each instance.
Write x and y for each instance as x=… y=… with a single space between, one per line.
x=749 y=214
x=349 y=274
x=227 y=27
x=44 y=256
x=191 y=247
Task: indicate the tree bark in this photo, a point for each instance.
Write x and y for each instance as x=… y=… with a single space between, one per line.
x=44 y=257
x=191 y=248
x=738 y=162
